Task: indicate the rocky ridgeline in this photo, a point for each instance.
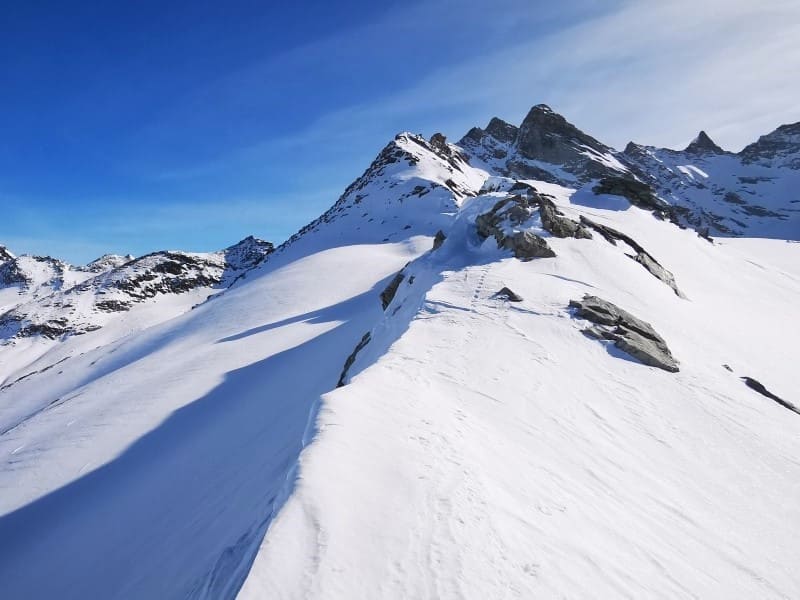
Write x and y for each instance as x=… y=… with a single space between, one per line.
x=386 y=181
x=114 y=284
x=703 y=186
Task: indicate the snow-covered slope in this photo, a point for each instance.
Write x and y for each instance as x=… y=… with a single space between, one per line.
x=48 y=300
x=439 y=389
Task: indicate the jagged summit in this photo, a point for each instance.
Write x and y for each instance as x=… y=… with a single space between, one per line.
x=703 y=144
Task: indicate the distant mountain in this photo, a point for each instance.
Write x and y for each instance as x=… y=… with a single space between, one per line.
x=48 y=297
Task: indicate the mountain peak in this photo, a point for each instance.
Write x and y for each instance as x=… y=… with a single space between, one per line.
x=546 y=135
x=501 y=130
x=703 y=144
x=542 y=108
x=247 y=253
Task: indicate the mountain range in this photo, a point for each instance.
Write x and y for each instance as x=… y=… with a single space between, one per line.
x=524 y=364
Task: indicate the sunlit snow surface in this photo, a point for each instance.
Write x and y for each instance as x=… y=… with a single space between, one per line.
x=482 y=449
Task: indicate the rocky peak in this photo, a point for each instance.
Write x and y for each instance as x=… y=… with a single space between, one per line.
x=247 y=253
x=502 y=131
x=703 y=144
x=546 y=135
x=439 y=142
x=783 y=143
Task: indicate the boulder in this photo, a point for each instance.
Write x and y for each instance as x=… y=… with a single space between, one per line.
x=507 y=294
x=527 y=246
x=630 y=334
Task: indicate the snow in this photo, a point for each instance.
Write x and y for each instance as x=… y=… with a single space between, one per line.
x=480 y=449
x=494 y=451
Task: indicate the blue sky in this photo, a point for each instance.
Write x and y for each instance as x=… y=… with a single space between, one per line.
x=131 y=127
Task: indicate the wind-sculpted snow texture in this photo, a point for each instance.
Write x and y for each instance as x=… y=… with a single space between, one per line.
x=394 y=405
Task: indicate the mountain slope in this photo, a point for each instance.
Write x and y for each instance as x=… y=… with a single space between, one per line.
x=487 y=439
x=495 y=451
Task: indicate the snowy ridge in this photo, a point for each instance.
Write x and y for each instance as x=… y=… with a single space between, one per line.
x=482 y=444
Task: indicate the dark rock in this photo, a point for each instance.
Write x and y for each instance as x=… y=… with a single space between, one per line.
x=524 y=188
x=475 y=135
x=638 y=193
x=507 y=294
x=11 y=274
x=630 y=334
x=352 y=359
x=5 y=254
x=759 y=211
x=502 y=131
x=439 y=239
x=756 y=385
x=513 y=211
x=557 y=224
x=439 y=142
x=733 y=198
x=247 y=253
x=112 y=306
x=387 y=295
x=527 y=246
x=547 y=136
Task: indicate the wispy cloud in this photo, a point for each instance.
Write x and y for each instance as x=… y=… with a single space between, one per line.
x=657 y=72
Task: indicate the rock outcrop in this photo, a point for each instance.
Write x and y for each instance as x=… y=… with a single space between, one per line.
x=642 y=257
x=759 y=387
x=557 y=224
x=630 y=334
x=502 y=222
x=638 y=193
x=506 y=293
x=351 y=359
x=388 y=294
x=439 y=239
